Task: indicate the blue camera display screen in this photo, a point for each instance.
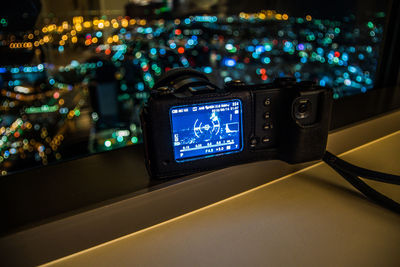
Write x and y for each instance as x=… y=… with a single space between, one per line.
x=205 y=130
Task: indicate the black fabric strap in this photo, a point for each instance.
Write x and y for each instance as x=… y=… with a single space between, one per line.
x=351 y=172
x=358 y=171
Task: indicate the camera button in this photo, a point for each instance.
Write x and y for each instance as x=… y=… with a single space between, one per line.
x=253 y=142
x=267 y=101
x=267 y=126
x=265 y=139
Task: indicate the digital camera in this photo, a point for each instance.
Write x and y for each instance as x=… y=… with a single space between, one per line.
x=191 y=125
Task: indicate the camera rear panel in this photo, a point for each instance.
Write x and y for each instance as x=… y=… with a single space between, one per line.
x=187 y=131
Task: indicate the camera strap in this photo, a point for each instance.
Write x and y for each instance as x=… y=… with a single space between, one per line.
x=351 y=174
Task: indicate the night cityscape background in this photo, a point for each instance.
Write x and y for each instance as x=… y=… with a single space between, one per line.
x=74 y=74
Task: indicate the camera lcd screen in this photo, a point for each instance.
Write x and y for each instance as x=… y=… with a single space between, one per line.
x=205 y=130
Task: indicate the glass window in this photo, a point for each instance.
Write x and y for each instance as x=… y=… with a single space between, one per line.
x=75 y=74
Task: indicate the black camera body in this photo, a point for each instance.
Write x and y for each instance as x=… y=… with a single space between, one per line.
x=191 y=125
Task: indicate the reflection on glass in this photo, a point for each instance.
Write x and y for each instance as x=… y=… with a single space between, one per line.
x=74 y=75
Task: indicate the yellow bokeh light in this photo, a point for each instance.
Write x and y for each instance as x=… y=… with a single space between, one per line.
x=124 y=23
x=70 y=114
x=87 y=24
x=77 y=20
x=65 y=25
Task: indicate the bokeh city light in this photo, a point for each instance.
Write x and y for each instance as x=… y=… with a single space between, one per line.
x=87 y=98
